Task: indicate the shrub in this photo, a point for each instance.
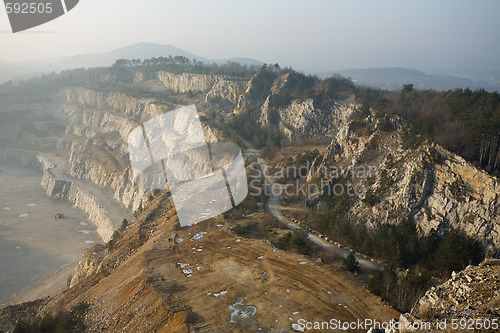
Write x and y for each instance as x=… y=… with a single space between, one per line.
x=351 y=263
x=296 y=240
x=370 y=198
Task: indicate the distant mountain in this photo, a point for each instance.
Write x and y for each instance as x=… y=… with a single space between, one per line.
x=243 y=61
x=150 y=50
x=394 y=78
x=25 y=70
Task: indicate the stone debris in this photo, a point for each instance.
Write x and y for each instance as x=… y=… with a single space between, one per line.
x=473 y=293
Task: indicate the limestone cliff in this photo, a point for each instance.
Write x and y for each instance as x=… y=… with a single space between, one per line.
x=430 y=185
x=306 y=116
x=215 y=87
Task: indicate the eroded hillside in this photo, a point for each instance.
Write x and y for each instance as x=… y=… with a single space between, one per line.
x=160 y=277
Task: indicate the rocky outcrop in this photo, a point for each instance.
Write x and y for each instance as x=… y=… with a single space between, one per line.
x=300 y=118
x=81 y=199
x=188 y=82
x=471 y=297
x=468 y=294
x=225 y=90
x=462 y=197
x=88 y=265
x=216 y=87
x=429 y=185
x=64 y=188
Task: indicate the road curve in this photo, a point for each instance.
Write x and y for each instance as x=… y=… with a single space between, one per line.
x=274 y=206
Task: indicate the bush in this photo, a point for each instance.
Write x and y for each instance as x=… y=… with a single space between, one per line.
x=296 y=240
x=370 y=198
x=61 y=323
x=124 y=225
x=351 y=263
x=113 y=240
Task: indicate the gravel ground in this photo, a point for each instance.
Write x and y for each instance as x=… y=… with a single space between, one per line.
x=33 y=244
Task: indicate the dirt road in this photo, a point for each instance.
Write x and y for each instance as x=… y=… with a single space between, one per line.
x=274 y=206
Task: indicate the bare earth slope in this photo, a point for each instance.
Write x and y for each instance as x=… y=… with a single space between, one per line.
x=186 y=280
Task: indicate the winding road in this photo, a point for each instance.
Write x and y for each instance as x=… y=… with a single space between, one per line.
x=275 y=207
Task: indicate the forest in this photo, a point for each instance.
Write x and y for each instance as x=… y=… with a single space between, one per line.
x=465 y=122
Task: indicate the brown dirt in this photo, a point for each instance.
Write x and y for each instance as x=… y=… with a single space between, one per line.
x=150 y=291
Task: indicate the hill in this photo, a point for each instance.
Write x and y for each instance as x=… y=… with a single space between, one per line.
x=394 y=78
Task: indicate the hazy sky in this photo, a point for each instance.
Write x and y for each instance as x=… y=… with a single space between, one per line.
x=314 y=35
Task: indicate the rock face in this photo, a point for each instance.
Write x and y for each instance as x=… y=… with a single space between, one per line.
x=299 y=118
x=468 y=294
x=216 y=87
x=101 y=214
x=88 y=265
x=102 y=122
x=430 y=185
x=82 y=200
x=471 y=297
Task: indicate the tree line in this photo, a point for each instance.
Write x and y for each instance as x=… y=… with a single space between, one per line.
x=465 y=122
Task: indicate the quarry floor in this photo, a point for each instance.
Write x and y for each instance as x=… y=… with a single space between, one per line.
x=33 y=244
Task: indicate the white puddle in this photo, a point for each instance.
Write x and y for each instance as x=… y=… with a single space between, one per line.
x=199 y=235
x=86 y=232
x=241 y=311
x=19 y=248
x=66 y=264
x=83 y=224
x=178 y=240
x=89 y=242
x=6 y=208
x=24 y=215
x=31 y=205
x=220 y=293
x=298 y=328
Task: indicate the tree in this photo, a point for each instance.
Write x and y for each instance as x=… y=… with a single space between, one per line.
x=351 y=263
x=407 y=88
x=124 y=225
x=383 y=283
x=456 y=251
x=296 y=240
